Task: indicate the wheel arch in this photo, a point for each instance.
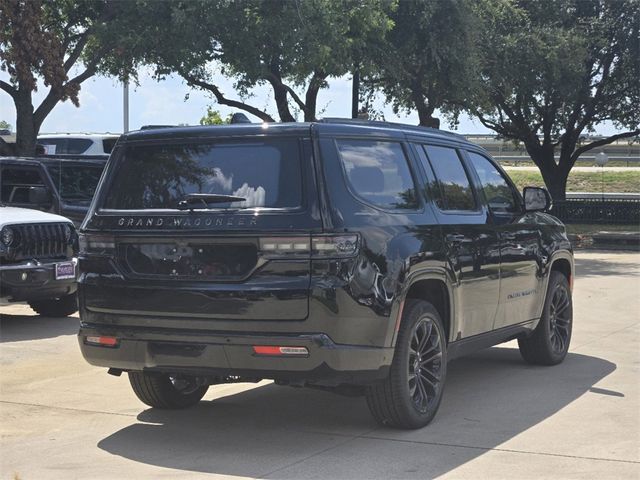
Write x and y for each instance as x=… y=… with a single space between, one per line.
x=433 y=287
x=562 y=261
x=564 y=266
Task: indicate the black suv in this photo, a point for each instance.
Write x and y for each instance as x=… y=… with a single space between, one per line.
x=64 y=186
x=345 y=255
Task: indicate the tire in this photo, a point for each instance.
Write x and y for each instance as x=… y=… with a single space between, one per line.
x=405 y=400
x=161 y=390
x=56 y=307
x=549 y=342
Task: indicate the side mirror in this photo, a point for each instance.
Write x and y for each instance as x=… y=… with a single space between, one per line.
x=40 y=197
x=536 y=199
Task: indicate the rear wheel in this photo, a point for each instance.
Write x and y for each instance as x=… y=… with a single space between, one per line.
x=162 y=390
x=410 y=396
x=56 y=307
x=549 y=343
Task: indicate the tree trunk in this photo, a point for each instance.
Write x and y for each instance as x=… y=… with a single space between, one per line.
x=554 y=176
x=311 y=97
x=355 y=91
x=557 y=185
x=26 y=131
x=425 y=114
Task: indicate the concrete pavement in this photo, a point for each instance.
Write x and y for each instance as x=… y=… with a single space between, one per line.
x=500 y=418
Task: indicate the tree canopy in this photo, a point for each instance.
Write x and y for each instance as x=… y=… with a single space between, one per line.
x=61 y=43
x=291 y=46
x=426 y=61
x=551 y=71
x=213 y=117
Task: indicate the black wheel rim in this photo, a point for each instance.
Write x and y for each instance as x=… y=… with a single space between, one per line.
x=425 y=365
x=183 y=384
x=560 y=319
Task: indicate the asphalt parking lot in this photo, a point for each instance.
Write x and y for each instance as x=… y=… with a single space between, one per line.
x=500 y=418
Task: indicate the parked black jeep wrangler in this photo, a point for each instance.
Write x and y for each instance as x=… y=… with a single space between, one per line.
x=346 y=255
x=64 y=186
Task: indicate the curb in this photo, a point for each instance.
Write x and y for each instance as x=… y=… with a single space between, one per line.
x=607 y=240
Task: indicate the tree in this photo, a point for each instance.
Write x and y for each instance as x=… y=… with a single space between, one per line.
x=552 y=71
x=49 y=41
x=427 y=60
x=5 y=125
x=213 y=117
x=291 y=46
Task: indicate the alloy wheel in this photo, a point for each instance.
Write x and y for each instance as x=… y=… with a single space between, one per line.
x=425 y=365
x=559 y=319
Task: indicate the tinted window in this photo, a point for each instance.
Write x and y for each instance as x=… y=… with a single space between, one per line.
x=497 y=191
x=452 y=180
x=76 y=146
x=71 y=146
x=378 y=172
x=15 y=184
x=266 y=174
x=76 y=183
x=108 y=144
x=52 y=145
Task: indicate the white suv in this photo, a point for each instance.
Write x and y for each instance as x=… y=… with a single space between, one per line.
x=78 y=143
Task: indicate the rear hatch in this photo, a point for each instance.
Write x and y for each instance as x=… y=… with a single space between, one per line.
x=203 y=228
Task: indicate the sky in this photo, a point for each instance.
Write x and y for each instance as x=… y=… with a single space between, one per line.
x=165 y=102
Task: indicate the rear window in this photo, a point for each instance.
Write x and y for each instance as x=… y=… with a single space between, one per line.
x=15 y=183
x=69 y=146
x=76 y=183
x=265 y=173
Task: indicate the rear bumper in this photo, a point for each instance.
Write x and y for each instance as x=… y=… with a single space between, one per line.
x=33 y=281
x=203 y=353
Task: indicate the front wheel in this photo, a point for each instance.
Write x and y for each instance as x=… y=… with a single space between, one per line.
x=549 y=343
x=410 y=396
x=161 y=390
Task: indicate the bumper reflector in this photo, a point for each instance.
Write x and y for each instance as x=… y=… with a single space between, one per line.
x=102 y=341
x=278 y=351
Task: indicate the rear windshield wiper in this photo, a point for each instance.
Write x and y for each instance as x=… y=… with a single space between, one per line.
x=192 y=200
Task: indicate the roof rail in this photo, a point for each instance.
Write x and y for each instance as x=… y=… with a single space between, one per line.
x=394 y=125
x=154 y=127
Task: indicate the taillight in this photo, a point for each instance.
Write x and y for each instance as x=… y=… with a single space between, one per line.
x=279 y=351
x=97 y=244
x=285 y=245
x=102 y=341
x=318 y=246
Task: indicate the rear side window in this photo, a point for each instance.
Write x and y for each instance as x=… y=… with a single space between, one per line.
x=265 y=173
x=452 y=179
x=378 y=172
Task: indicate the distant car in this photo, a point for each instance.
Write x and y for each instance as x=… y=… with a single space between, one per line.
x=78 y=143
x=54 y=185
x=38 y=262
